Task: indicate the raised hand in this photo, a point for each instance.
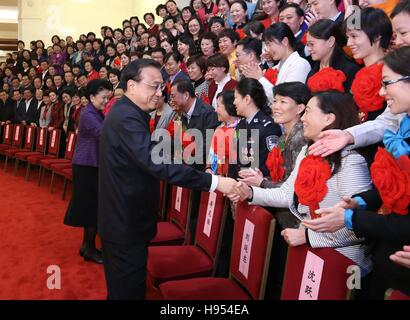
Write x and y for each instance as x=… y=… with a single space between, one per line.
x=251 y=70
x=251 y=177
x=402 y=257
x=331 y=220
x=331 y=141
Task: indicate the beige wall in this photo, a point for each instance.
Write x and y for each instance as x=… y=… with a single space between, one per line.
x=41 y=19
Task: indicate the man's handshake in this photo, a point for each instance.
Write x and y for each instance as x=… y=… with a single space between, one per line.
x=234 y=190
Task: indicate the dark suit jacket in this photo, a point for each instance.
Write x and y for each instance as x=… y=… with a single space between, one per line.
x=231 y=85
x=181 y=76
x=129 y=179
x=203 y=117
x=6 y=111
x=28 y=115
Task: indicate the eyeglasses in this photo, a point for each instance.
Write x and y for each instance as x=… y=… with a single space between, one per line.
x=159 y=86
x=386 y=83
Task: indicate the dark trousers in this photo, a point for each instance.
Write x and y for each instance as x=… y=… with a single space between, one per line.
x=125 y=268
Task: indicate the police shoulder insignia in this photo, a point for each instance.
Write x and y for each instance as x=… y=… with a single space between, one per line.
x=271 y=142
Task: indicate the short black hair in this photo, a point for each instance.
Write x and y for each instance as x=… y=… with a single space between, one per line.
x=216 y=19
x=175 y=55
x=398 y=61
x=133 y=70
x=149 y=14
x=279 y=31
x=402 y=7
x=219 y=61
x=158 y=49
x=228 y=97
x=229 y=33
x=297 y=91
x=199 y=60
x=299 y=11
x=160 y=7
x=375 y=23
x=184 y=86
x=96 y=86
x=255 y=27
x=251 y=45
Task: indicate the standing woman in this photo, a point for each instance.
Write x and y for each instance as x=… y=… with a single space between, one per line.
x=196 y=71
x=324 y=43
x=209 y=10
x=83 y=207
x=271 y=9
x=186 y=48
x=45 y=113
x=57 y=112
x=369 y=43
x=239 y=11
x=196 y=30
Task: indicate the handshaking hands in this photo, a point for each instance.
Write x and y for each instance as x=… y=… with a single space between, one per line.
x=233 y=189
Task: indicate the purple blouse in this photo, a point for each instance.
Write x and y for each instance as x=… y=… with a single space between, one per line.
x=88 y=140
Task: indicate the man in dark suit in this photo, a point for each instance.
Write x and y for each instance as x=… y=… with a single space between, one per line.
x=195 y=114
x=129 y=181
x=6 y=108
x=27 y=108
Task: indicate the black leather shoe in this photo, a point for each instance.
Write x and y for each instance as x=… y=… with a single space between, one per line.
x=95 y=256
x=82 y=251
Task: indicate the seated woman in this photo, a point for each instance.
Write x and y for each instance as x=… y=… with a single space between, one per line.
x=324 y=41
x=290 y=101
x=252 y=105
x=196 y=71
x=221 y=146
x=388 y=233
x=319 y=183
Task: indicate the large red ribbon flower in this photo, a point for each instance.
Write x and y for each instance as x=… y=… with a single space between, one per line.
x=365 y=89
x=272 y=75
x=275 y=164
x=327 y=79
x=310 y=184
x=392 y=180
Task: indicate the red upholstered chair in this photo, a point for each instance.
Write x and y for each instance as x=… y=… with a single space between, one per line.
x=392 y=294
x=16 y=143
x=54 y=142
x=167 y=263
x=29 y=142
x=333 y=283
x=7 y=136
x=250 y=256
x=175 y=231
x=58 y=164
x=41 y=144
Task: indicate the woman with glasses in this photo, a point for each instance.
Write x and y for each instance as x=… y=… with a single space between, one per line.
x=388 y=233
x=83 y=207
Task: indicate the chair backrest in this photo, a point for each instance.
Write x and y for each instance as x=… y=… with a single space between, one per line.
x=30 y=138
x=316 y=274
x=180 y=207
x=392 y=294
x=211 y=221
x=251 y=248
x=8 y=133
x=163 y=197
x=70 y=145
x=18 y=134
x=41 y=140
x=54 y=142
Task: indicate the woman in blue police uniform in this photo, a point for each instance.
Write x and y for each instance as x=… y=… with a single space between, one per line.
x=252 y=104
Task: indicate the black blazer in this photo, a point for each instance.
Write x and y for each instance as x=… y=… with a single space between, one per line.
x=6 y=111
x=203 y=117
x=129 y=179
x=386 y=234
x=26 y=115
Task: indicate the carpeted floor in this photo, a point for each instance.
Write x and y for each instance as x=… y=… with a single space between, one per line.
x=33 y=237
